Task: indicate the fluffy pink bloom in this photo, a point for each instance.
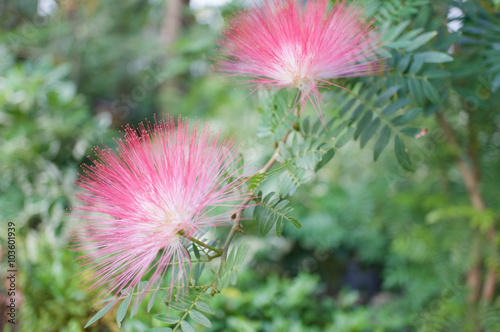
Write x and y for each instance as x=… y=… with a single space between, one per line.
x=160 y=181
x=282 y=44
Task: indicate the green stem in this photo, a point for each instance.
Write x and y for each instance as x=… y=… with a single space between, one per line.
x=200 y=243
x=191 y=307
x=236 y=222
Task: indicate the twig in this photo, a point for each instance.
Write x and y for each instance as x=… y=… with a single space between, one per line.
x=237 y=217
x=200 y=243
x=204 y=289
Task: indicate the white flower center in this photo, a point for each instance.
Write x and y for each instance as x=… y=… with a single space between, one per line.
x=293 y=68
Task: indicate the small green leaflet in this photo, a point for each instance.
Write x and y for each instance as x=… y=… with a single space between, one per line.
x=382 y=141
x=402 y=155
x=202 y=306
x=186 y=327
x=200 y=318
x=421 y=40
x=234 y=260
x=196 y=252
x=272 y=210
x=431 y=92
x=122 y=309
x=101 y=313
x=433 y=57
x=167 y=318
x=407 y=117
x=139 y=298
x=154 y=295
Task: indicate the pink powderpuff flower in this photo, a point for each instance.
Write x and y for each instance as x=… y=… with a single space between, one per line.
x=135 y=203
x=283 y=44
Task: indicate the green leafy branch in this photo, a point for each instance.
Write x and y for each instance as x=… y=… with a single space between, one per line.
x=276 y=115
x=364 y=104
x=273 y=211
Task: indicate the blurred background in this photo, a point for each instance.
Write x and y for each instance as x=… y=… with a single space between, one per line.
x=381 y=249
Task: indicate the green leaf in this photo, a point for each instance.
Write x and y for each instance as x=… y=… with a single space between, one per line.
x=198 y=269
x=416 y=65
x=122 y=309
x=431 y=92
x=167 y=318
x=403 y=84
x=394 y=32
x=196 y=251
x=403 y=63
x=276 y=116
x=433 y=57
x=159 y=329
x=270 y=211
x=410 y=131
x=281 y=205
x=292 y=179
x=369 y=132
x=241 y=252
x=202 y=306
x=421 y=40
x=407 y=117
x=295 y=222
x=339 y=128
x=435 y=73
x=199 y=318
x=365 y=120
x=430 y=109
x=306 y=125
x=163 y=295
x=416 y=90
x=107 y=299
x=305 y=153
x=153 y=297
x=228 y=270
x=270 y=201
x=295 y=145
x=266 y=221
x=178 y=305
x=325 y=129
x=186 y=327
x=101 y=313
x=382 y=142
x=402 y=154
x=396 y=106
x=140 y=296
x=357 y=112
x=347 y=107
x=255 y=181
x=135 y=306
x=375 y=88
x=344 y=138
x=385 y=96
x=279 y=227
x=325 y=159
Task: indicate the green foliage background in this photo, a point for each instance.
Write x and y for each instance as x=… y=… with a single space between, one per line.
x=384 y=246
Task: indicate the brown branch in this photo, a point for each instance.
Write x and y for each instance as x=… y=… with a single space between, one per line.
x=491 y=277
x=171 y=23
x=236 y=220
x=470 y=174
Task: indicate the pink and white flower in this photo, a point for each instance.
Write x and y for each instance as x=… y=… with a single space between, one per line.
x=135 y=203
x=284 y=44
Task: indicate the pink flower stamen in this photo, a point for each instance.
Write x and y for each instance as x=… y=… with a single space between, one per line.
x=283 y=44
x=140 y=203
